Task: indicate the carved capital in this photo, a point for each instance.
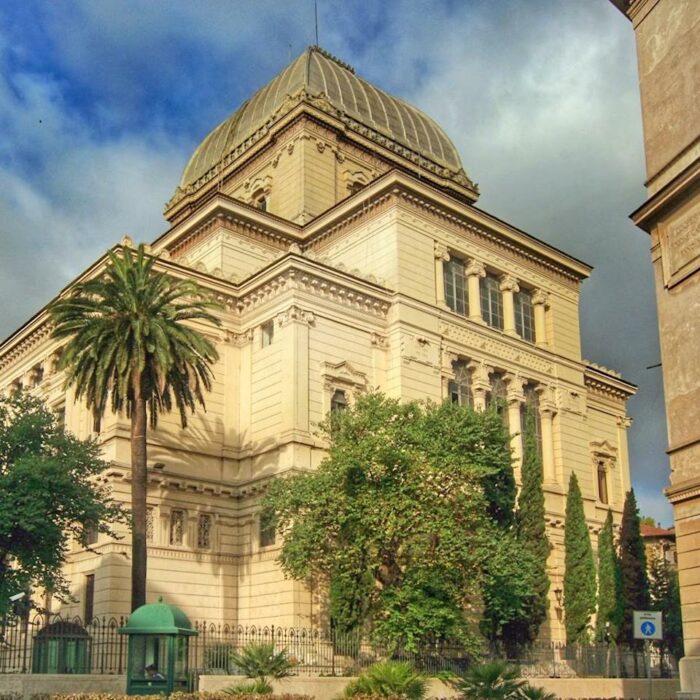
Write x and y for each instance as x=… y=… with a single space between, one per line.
x=295 y=313
x=441 y=252
x=378 y=341
x=548 y=407
x=509 y=284
x=624 y=422
x=239 y=339
x=475 y=267
x=539 y=296
x=514 y=386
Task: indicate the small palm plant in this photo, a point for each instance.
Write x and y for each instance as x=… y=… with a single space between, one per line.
x=389 y=679
x=530 y=692
x=491 y=681
x=262 y=663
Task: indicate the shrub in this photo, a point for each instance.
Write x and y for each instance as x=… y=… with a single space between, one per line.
x=256 y=687
x=388 y=679
x=532 y=693
x=261 y=661
x=491 y=681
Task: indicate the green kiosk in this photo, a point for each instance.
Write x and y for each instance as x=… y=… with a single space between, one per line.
x=158 y=643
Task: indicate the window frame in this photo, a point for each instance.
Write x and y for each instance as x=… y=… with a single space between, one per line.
x=491 y=301
x=524 y=324
x=453 y=278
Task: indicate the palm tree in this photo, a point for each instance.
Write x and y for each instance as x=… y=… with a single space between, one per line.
x=129 y=343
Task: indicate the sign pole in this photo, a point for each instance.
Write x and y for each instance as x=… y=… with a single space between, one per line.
x=647 y=649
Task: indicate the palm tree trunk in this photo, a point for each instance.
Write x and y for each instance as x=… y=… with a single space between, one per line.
x=138 y=502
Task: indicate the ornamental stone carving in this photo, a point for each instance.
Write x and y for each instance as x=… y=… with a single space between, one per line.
x=509 y=284
x=476 y=268
x=295 y=313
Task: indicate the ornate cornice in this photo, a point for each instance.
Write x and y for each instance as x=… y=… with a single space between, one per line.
x=26 y=344
x=602 y=383
x=455 y=222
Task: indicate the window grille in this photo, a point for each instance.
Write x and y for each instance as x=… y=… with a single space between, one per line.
x=491 y=302
x=177 y=526
x=455 y=297
x=524 y=315
x=149 y=524
x=204 y=531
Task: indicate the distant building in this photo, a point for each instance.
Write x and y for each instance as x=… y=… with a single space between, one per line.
x=337 y=226
x=668 y=54
x=659 y=542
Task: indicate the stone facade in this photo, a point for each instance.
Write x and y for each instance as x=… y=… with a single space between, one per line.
x=668 y=37
x=344 y=259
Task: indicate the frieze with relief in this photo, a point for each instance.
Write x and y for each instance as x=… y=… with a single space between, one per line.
x=470 y=339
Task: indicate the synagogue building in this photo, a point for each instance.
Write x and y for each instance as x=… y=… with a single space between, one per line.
x=338 y=229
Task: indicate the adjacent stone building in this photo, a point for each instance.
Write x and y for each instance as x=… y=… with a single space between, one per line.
x=668 y=54
x=337 y=227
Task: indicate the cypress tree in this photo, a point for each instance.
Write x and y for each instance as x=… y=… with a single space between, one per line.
x=633 y=564
x=609 y=618
x=579 y=572
x=665 y=597
x=532 y=537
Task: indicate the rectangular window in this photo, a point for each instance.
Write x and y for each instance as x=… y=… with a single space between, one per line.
x=268 y=526
x=204 y=531
x=91 y=533
x=89 y=606
x=460 y=388
x=524 y=315
x=491 y=301
x=267 y=333
x=455 y=297
x=177 y=526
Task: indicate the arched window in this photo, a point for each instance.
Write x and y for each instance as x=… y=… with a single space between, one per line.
x=497 y=398
x=259 y=200
x=602 y=482
x=460 y=388
x=339 y=401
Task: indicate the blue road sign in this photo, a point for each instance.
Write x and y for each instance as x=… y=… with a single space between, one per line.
x=648 y=628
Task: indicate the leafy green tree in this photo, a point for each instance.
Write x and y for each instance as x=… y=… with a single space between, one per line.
x=609 y=618
x=633 y=565
x=400 y=502
x=48 y=495
x=665 y=597
x=579 y=570
x=130 y=343
x=532 y=537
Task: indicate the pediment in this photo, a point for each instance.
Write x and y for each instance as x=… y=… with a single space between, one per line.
x=343 y=373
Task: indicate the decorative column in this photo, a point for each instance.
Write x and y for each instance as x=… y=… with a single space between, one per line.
x=294 y=325
x=540 y=302
x=380 y=345
x=624 y=423
x=547 y=413
x=441 y=257
x=480 y=384
x=474 y=271
x=515 y=398
x=238 y=376
x=508 y=287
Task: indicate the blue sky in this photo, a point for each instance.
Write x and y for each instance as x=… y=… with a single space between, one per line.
x=103 y=101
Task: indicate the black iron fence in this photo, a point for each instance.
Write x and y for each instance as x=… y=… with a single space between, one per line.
x=58 y=645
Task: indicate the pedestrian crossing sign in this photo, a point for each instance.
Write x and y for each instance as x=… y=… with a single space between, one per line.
x=647 y=625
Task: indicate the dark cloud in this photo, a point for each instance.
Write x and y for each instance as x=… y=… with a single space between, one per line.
x=101 y=104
